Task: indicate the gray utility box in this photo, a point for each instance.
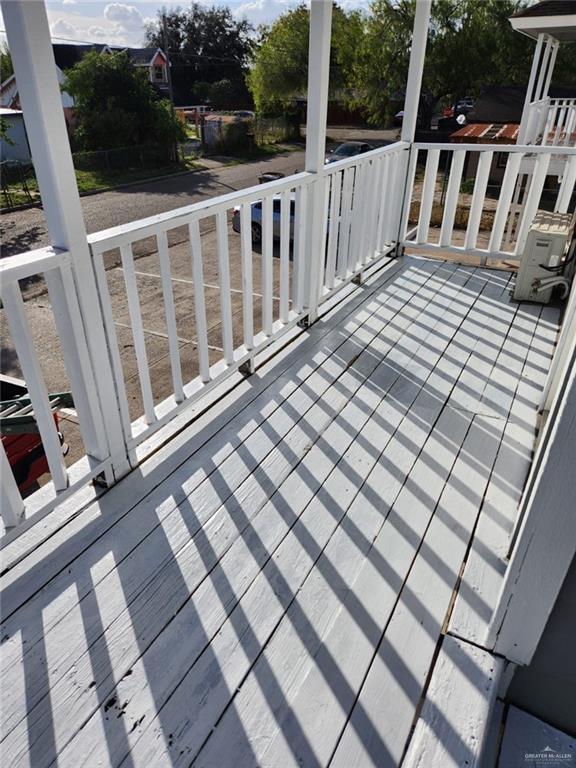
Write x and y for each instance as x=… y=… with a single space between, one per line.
x=546 y=246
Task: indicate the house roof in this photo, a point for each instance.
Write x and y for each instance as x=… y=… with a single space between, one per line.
x=68 y=54
x=556 y=18
x=505 y=103
x=547 y=8
x=487 y=133
x=498 y=104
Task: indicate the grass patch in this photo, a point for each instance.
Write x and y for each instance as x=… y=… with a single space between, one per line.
x=92 y=181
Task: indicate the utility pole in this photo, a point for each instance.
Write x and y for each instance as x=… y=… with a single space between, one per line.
x=165 y=47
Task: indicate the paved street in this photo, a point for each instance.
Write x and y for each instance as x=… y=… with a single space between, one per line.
x=24 y=230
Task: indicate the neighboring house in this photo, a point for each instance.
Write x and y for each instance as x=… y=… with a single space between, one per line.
x=495 y=119
x=66 y=55
x=17 y=147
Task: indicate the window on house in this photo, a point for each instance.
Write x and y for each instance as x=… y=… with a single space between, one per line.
x=159 y=73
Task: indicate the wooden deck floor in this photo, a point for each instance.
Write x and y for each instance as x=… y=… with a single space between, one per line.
x=271 y=588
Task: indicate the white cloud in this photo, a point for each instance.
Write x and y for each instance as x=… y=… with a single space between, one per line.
x=97 y=32
x=68 y=2
x=126 y=16
x=63 y=28
x=262 y=11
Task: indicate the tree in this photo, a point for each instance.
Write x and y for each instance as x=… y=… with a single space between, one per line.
x=115 y=105
x=205 y=45
x=6 y=68
x=471 y=45
x=279 y=72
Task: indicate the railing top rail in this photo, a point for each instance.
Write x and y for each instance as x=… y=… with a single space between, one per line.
x=338 y=165
x=127 y=233
x=29 y=263
x=527 y=149
x=136 y=230
x=544 y=100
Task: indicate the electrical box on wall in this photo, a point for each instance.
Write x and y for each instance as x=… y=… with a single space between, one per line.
x=546 y=247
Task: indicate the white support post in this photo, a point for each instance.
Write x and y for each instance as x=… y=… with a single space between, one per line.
x=546 y=543
x=416 y=68
x=551 y=65
x=318 y=84
x=530 y=89
x=539 y=93
x=28 y=36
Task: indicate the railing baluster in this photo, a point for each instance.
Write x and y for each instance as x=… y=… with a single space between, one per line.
x=325 y=181
x=389 y=232
x=247 y=284
x=224 y=278
x=199 y=303
x=356 y=218
x=532 y=201
x=570 y=124
x=112 y=338
x=267 y=266
x=404 y=216
x=478 y=198
x=505 y=200
x=11 y=504
x=285 y=227
x=170 y=314
x=344 y=239
x=560 y=123
x=428 y=191
x=567 y=186
x=452 y=194
x=335 y=201
x=22 y=338
x=299 y=266
x=380 y=203
x=138 y=332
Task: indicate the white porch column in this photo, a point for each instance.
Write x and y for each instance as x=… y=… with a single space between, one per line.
x=30 y=45
x=530 y=89
x=416 y=68
x=317 y=112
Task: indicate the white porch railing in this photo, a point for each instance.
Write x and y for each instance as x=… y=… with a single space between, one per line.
x=56 y=269
x=359 y=226
x=524 y=171
x=551 y=122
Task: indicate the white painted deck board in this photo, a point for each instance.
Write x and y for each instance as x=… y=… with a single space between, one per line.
x=198 y=609
x=453 y=727
x=486 y=562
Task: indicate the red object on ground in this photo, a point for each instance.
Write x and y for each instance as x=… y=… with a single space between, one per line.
x=25 y=451
x=26 y=457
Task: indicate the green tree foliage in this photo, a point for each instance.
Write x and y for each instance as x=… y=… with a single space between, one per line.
x=471 y=45
x=6 y=68
x=115 y=105
x=205 y=45
x=279 y=71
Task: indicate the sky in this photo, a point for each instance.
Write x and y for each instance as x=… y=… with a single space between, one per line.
x=99 y=21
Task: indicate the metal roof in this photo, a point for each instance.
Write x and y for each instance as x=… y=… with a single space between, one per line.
x=482 y=133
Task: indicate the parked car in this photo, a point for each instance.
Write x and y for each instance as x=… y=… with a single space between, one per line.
x=256 y=219
x=463 y=106
x=348 y=149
